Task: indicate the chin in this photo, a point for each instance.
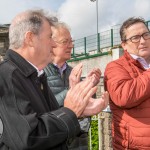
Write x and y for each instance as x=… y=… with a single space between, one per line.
x=68 y=58
x=144 y=54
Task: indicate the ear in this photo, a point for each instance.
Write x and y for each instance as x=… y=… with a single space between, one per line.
x=29 y=38
x=123 y=44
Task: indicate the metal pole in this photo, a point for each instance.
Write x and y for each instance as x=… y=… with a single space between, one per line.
x=99 y=132
x=96 y=22
x=97 y=25
x=90 y=138
x=97 y=14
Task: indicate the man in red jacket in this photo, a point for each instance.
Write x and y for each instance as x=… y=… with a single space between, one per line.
x=128 y=82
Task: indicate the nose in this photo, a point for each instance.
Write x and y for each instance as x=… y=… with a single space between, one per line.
x=53 y=43
x=142 y=40
x=71 y=44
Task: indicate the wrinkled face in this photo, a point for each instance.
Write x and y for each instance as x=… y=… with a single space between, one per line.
x=64 y=43
x=139 y=45
x=43 y=46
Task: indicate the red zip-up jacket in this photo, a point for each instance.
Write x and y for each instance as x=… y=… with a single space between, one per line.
x=128 y=84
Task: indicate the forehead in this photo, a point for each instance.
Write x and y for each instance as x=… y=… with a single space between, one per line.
x=61 y=33
x=136 y=29
x=46 y=27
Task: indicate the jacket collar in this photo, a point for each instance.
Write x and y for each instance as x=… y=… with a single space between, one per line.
x=23 y=65
x=132 y=60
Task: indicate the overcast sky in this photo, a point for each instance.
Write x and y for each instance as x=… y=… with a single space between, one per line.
x=80 y=15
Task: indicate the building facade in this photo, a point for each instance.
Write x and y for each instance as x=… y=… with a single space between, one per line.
x=4 y=41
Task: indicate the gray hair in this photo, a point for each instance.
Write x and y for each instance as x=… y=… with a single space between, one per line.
x=30 y=20
x=60 y=25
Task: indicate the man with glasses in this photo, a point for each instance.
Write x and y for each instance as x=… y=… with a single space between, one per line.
x=58 y=71
x=128 y=82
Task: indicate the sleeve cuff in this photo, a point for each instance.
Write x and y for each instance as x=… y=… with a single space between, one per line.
x=70 y=120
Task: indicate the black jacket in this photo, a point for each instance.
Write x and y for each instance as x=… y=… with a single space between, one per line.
x=31 y=117
x=57 y=83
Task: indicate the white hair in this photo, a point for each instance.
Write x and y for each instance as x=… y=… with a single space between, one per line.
x=30 y=20
x=58 y=26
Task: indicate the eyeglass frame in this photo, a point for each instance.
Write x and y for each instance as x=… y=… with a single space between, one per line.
x=139 y=37
x=65 y=41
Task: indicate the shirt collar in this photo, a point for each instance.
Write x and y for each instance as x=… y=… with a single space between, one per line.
x=39 y=72
x=141 y=60
x=61 y=69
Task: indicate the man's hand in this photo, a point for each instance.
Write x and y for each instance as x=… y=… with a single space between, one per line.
x=75 y=75
x=95 y=106
x=78 y=96
x=97 y=73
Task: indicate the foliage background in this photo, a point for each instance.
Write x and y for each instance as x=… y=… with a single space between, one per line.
x=94 y=135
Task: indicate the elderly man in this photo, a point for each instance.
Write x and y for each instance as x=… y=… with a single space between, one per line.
x=29 y=113
x=128 y=82
x=61 y=77
x=58 y=71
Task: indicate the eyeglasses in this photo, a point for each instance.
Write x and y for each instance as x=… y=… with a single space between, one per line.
x=137 y=38
x=65 y=42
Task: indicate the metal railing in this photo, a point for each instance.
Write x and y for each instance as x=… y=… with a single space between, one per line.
x=97 y=42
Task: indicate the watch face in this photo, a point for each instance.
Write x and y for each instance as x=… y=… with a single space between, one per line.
x=1 y=127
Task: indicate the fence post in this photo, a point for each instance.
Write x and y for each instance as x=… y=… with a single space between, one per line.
x=112 y=38
x=98 y=42
x=85 y=45
x=73 y=52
